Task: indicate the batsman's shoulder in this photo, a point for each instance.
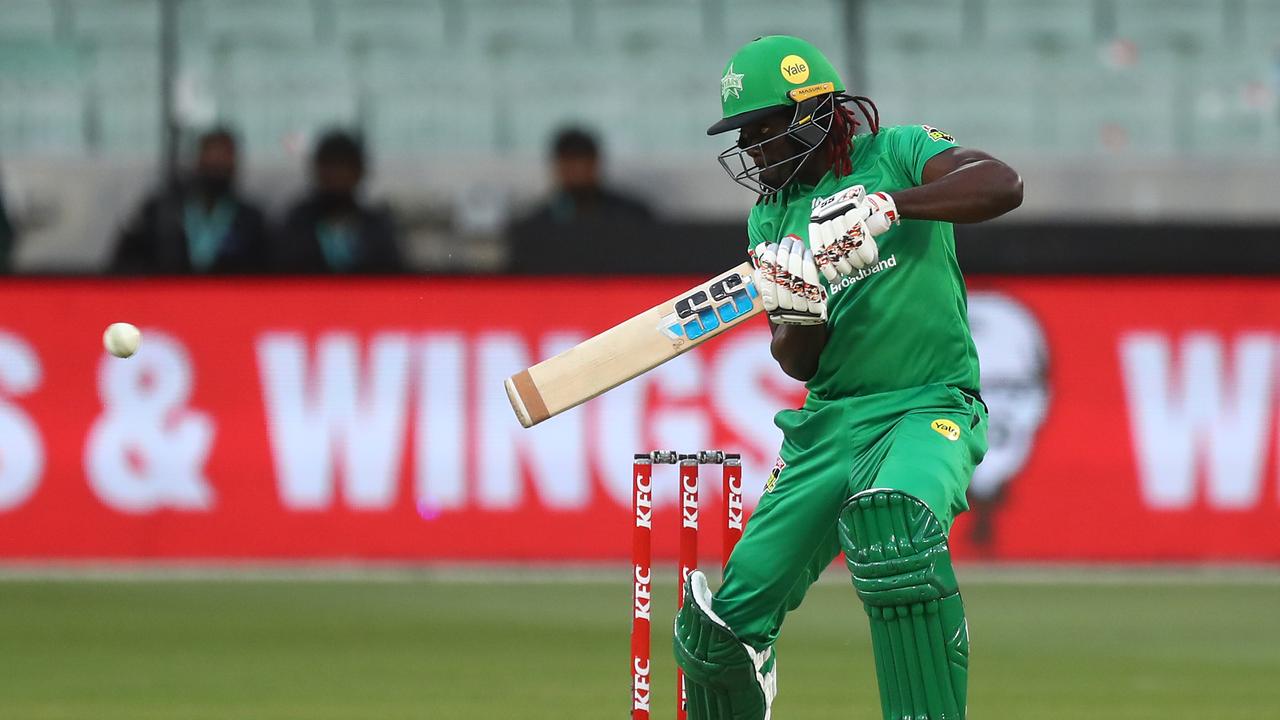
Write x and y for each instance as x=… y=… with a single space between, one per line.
x=889 y=133
x=916 y=135
x=764 y=218
x=757 y=228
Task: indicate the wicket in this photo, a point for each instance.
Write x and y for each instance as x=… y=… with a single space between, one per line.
x=642 y=555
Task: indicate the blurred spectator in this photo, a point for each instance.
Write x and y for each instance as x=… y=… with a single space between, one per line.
x=579 y=194
x=564 y=230
x=6 y=236
x=199 y=224
x=330 y=230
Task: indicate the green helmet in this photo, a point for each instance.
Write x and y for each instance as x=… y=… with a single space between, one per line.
x=772 y=72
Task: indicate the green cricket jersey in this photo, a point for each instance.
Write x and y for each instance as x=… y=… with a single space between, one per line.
x=903 y=322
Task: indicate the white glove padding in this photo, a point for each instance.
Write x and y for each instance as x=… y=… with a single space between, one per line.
x=838 y=233
x=787 y=279
x=881 y=212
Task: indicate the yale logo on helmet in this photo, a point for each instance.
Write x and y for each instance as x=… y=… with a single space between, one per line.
x=794 y=69
x=809 y=91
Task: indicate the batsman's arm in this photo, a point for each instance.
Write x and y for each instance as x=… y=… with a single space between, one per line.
x=797 y=348
x=961 y=185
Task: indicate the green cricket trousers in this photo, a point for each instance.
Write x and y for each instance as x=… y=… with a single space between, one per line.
x=923 y=441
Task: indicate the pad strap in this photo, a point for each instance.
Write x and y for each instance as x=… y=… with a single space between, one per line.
x=897 y=552
x=725 y=679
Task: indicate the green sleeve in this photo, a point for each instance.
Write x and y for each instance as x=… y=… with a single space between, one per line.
x=914 y=145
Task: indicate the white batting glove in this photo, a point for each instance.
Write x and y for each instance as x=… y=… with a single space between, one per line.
x=787 y=279
x=881 y=212
x=842 y=242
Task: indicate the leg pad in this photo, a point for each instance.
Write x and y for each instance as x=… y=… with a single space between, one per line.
x=897 y=552
x=725 y=679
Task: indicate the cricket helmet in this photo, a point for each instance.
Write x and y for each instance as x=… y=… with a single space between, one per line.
x=773 y=73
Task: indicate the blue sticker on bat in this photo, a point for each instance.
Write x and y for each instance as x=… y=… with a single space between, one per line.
x=702 y=311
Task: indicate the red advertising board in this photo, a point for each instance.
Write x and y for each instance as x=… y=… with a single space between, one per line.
x=1132 y=420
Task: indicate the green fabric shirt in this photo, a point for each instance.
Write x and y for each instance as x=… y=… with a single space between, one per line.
x=903 y=322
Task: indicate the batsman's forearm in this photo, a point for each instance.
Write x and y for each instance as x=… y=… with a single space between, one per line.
x=971 y=193
x=797 y=348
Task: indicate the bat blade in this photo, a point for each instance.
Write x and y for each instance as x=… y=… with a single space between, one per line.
x=634 y=346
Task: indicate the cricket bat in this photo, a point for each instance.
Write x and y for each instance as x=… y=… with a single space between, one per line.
x=635 y=346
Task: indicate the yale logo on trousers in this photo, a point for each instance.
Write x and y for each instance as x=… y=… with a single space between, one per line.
x=946 y=429
x=775 y=474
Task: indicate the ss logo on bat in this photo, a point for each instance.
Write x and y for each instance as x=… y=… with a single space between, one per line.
x=702 y=311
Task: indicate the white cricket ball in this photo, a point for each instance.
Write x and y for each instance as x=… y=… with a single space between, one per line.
x=121 y=339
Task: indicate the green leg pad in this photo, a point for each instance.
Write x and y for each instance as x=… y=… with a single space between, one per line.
x=897 y=552
x=724 y=678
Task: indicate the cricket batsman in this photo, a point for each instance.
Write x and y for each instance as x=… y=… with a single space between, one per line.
x=855 y=261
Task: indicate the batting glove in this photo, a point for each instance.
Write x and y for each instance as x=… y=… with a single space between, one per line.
x=840 y=237
x=787 y=279
x=881 y=212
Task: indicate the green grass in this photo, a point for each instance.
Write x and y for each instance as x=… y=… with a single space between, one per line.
x=443 y=648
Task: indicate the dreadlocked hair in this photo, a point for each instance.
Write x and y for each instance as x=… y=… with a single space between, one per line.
x=843 y=126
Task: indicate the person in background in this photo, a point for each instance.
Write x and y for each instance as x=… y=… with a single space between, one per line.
x=330 y=230
x=579 y=193
x=6 y=237
x=563 y=230
x=199 y=224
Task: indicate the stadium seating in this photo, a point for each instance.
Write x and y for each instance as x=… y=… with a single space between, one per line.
x=281 y=96
x=122 y=86
x=378 y=22
x=1112 y=75
x=1048 y=27
x=915 y=24
x=27 y=20
x=41 y=107
x=669 y=24
x=821 y=22
x=1114 y=111
x=250 y=21
x=514 y=26
x=414 y=99
x=115 y=20
x=539 y=98
x=1188 y=26
x=1233 y=108
x=1261 y=26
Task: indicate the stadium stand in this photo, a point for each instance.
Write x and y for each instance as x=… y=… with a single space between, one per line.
x=1047 y=27
x=251 y=21
x=42 y=109
x=674 y=25
x=27 y=21
x=115 y=21
x=283 y=69
x=379 y=22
